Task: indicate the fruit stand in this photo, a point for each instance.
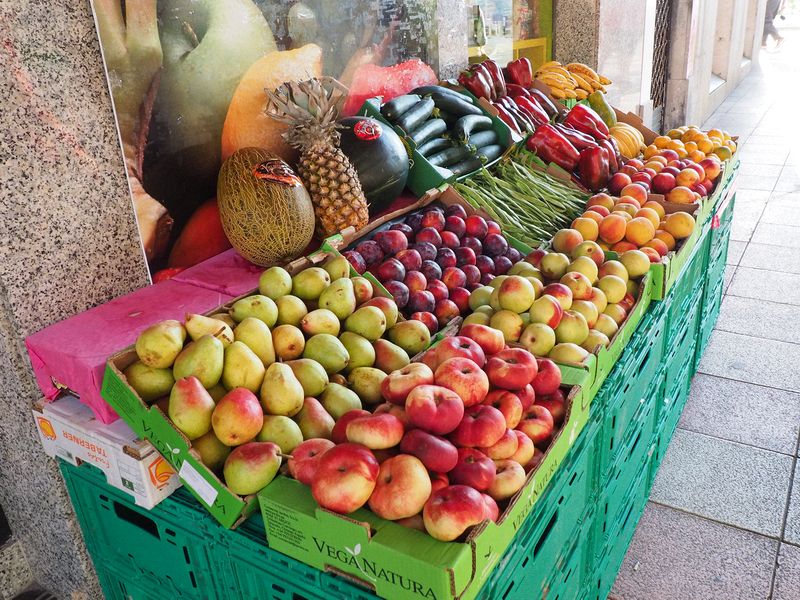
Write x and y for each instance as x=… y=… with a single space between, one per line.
x=451 y=371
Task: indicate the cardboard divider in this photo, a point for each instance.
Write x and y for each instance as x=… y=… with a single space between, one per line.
x=401 y=562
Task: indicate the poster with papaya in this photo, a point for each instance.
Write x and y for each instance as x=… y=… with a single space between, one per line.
x=190 y=83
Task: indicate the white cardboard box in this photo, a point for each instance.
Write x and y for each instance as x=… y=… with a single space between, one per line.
x=69 y=430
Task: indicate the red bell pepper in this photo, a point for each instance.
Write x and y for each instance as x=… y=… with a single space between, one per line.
x=549 y=145
x=476 y=84
x=593 y=168
x=514 y=90
x=498 y=81
x=611 y=152
x=581 y=141
x=544 y=102
x=520 y=72
x=507 y=118
x=487 y=75
x=531 y=106
x=584 y=119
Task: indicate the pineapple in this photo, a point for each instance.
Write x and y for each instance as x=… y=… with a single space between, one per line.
x=310 y=109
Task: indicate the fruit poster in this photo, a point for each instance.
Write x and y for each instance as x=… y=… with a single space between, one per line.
x=188 y=81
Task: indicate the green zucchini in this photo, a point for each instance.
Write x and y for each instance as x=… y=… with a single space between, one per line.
x=396 y=107
x=416 y=115
x=428 y=130
x=484 y=138
x=427 y=90
x=448 y=157
x=456 y=106
x=433 y=146
x=490 y=152
x=469 y=124
x=467 y=166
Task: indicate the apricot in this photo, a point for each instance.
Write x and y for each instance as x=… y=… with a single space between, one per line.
x=655 y=165
x=675 y=145
x=658 y=246
x=625 y=215
x=652 y=254
x=636 y=191
x=588 y=228
x=681 y=194
x=666 y=237
x=656 y=206
x=565 y=240
x=616 y=312
x=627 y=208
x=662 y=141
x=639 y=231
x=687 y=177
x=680 y=225
x=590 y=214
x=649 y=214
x=636 y=262
x=623 y=246
x=603 y=211
x=613 y=267
x=696 y=155
x=651 y=151
x=601 y=199
x=612 y=228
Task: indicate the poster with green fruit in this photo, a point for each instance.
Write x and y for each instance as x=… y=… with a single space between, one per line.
x=189 y=82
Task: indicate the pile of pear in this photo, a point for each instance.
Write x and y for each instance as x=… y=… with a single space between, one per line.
x=280 y=366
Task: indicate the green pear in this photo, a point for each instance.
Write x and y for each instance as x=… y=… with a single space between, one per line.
x=190 y=407
x=388 y=306
x=412 y=336
x=225 y=318
x=275 y=283
x=288 y=342
x=366 y=382
x=281 y=391
x=337 y=267
x=320 y=321
x=202 y=359
x=311 y=375
x=478 y=318
x=361 y=352
x=242 y=368
x=314 y=421
x=159 y=345
x=257 y=306
x=198 y=37
x=388 y=356
x=212 y=452
x=328 y=351
x=198 y=325
x=363 y=290
x=368 y=322
x=291 y=310
x=281 y=430
x=255 y=334
x=337 y=400
x=148 y=382
x=251 y=467
x=339 y=297
x=309 y=283
x=217 y=392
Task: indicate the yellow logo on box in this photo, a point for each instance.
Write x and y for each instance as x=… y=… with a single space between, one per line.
x=160 y=472
x=46 y=427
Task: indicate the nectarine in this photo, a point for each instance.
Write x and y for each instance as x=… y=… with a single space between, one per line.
x=612 y=229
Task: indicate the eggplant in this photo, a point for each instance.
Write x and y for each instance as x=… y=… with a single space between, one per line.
x=428 y=130
x=484 y=138
x=466 y=125
x=427 y=90
x=467 y=166
x=451 y=156
x=490 y=152
x=415 y=115
x=393 y=109
x=456 y=106
x=433 y=146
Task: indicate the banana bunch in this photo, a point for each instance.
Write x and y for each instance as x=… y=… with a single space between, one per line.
x=573 y=80
x=629 y=139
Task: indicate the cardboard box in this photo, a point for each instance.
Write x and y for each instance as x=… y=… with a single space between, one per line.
x=68 y=430
x=398 y=562
x=151 y=423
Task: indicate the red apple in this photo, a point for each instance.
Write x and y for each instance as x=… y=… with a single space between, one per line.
x=305 y=458
x=537 y=424
x=511 y=369
x=396 y=386
x=548 y=377
x=339 y=431
x=492 y=512
x=555 y=404
x=489 y=339
x=434 y=408
x=376 y=432
x=525 y=449
x=509 y=479
x=402 y=489
x=436 y=453
x=505 y=447
x=393 y=409
x=474 y=469
x=345 y=478
x=481 y=427
x=465 y=377
x=449 y=512
x=507 y=403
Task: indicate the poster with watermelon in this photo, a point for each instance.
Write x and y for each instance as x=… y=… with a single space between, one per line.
x=189 y=82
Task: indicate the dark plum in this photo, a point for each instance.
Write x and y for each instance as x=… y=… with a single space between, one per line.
x=370 y=251
x=460 y=296
x=390 y=270
x=430 y=235
x=391 y=241
x=501 y=265
x=414 y=220
x=476 y=226
x=415 y=281
x=454 y=277
x=465 y=256
x=450 y=239
x=446 y=311
x=474 y=243
x=485 y=264
x=455 y=224
x=411 y=259
x=433 y=218
x=472 y=272
x=421 y=301
x=356 y=260
x=486 y=278
x=399 y=292
x=405 y=229
x=431 y=270
x=492 y=227
x=455 y=210
x=513 y=255
x=438 y=289
x=427 y=251
x=446 y=258
x=495 y=244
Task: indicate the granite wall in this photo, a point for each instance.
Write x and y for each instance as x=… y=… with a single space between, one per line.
x=68 y=241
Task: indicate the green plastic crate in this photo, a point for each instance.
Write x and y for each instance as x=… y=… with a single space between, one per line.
x=686 y=289
x=712 y=303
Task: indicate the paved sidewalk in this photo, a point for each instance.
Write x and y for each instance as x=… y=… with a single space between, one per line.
x=723 y=521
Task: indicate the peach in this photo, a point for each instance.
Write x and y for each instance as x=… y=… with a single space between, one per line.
x=680 y=225
x=607 y=325
x=687 y=178
x=636 y=191
x=613 y=267
x=579 y=284
x=635 y=262
x=652 y=254
x=613 y=287
x=624 y=214
x=565 y=240
x=402 y=489
x=612 y=229
x=681 y=195
x=525 y=448
x=591 y=214
x=658 y=246
x=584 y=265
x=590 y=250
x=603 y=211
x=639 y=231
x=588 y=309
x=345 y=478
x=656 y=206
x=616 y=312
x=655 y=165
x=666 y=237
x=649 y=214
x=626 y=207
x=633 y=286
x=588 y=228
x=629 y=200
x=599 y=299
x=600 y=199
x=711 y=167
x=376 y=432
x=623 y=246
x=450 y=511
